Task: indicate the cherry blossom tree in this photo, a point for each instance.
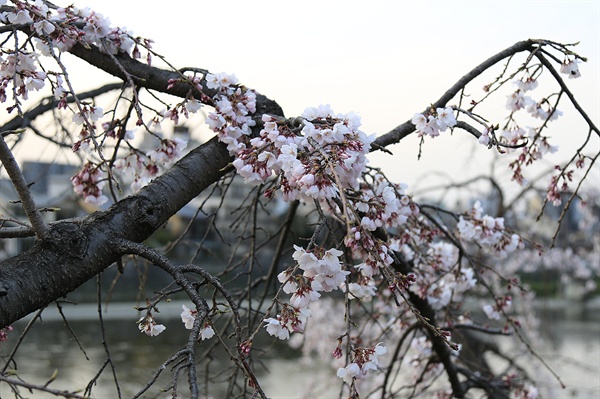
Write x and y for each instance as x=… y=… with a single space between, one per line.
x=377 y=283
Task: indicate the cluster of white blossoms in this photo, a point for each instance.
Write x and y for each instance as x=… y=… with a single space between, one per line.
x=58 y=30
x=437 y=278
x=289 y=319
x=435 y=122
x=148 y=325
x=322 y=271
x=168 y=152
x=364 y=359
x=188 y=317
x=231 y=119
x=315 y=160
x=501 y=306
x=88 y=113
x=541 y=110
x=382 y=204
x=84 y=26
x=20 y=69
x=487 y=231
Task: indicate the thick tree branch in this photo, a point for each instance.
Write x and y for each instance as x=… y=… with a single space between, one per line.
x=72 y=253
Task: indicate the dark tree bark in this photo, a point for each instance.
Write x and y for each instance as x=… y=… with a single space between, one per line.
x=73 y=253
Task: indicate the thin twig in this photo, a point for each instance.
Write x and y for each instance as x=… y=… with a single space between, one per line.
x=16 y=176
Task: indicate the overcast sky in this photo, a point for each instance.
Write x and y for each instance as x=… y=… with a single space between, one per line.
x=385 y=60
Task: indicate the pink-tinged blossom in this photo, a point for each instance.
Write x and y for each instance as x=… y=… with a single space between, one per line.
x=364 y=291
x=148 y=325
x=514 y=135
x=306 y=260
x=4 y=333
x=502 y=305
x=276 y=329
x=193 y=105
x=91 y=113
x=445 y=118
x=570 y=68
x=131 y=165
x=44 y=27
x=485 y=137
x=168 y=152
x=349 y=372
x=188 y=316
x=467 y=279
x=207 y=332
x=518 y=100
x=526 y=84
x=35 y=81
x=88 y=183
x=364 y=359
x=531 y=392
x=21 y=17
x=289 y=284
x=302 y=297
x=289 y=320
x=420 y=121
x=440 y=293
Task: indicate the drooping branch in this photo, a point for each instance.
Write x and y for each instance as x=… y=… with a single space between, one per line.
x=403 y=130
x=567 y=91
x=178 y=272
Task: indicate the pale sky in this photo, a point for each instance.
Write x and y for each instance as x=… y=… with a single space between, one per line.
x=385 y=60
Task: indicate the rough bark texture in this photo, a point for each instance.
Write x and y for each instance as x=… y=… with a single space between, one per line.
x=72 y=253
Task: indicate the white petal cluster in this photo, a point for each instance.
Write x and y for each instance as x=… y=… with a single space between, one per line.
x=289 y=320
x=188 y=317
x=495 y=312
x=433 y=124
x=439 y=279
x=542 y=110
x=487 y=231
x=323 y=273
x=571 y=68
x=327 y=154
x=143 y=168
x=148 y=326
x=365 y=359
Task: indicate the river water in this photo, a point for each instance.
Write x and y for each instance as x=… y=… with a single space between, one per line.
x=573 y=351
